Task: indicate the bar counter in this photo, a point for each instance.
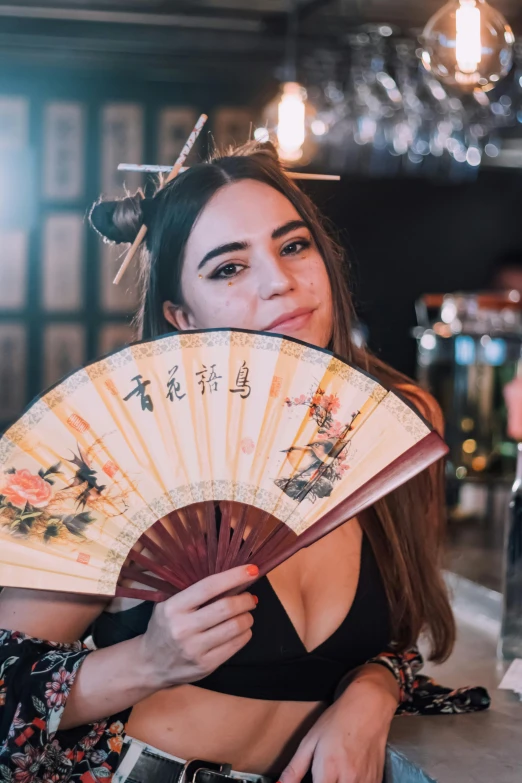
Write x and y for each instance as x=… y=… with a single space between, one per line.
x=478 y=748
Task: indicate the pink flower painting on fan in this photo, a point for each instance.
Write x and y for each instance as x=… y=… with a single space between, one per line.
x=22 y=487
x=319 y=464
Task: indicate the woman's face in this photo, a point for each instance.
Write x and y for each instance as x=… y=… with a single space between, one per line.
x=251 y=263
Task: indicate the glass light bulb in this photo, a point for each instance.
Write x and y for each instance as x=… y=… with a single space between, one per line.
x=468 y=44
x=291 y=113
x=468 y=48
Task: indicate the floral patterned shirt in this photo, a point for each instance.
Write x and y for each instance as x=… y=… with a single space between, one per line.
x=36 y=677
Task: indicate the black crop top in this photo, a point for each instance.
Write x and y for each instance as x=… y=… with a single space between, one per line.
x=275 y=664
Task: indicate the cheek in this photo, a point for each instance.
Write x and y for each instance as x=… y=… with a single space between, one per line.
x=220 y=306
x=318 y=280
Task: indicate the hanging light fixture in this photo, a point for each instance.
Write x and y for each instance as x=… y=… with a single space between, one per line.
x=289 y=116
x=468 y=44
x=291 y=121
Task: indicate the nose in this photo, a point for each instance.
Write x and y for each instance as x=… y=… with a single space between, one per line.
x=274 y=277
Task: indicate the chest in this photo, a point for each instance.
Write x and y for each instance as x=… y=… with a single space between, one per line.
x=316 y=588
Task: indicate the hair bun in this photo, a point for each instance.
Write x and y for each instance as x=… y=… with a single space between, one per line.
x=118 y=221
x=270 y=148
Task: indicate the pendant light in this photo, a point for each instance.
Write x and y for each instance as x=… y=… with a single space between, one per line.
x=288 y=117
x=468 y=44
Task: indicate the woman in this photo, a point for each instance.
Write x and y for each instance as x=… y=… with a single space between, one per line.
x=247 y=681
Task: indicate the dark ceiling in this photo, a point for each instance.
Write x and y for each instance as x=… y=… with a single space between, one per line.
x=193 y=40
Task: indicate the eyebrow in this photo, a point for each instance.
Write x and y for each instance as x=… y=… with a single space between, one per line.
x=233 y=247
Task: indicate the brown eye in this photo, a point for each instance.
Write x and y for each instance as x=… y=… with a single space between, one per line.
x=295 y=247
x=227 y=271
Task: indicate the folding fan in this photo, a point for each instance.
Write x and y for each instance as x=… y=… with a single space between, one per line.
x=183 y=456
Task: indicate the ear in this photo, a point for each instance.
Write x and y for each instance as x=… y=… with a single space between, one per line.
x=180 y=319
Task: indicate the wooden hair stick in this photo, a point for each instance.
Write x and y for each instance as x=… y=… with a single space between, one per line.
x=152 y=169
x=174 y=173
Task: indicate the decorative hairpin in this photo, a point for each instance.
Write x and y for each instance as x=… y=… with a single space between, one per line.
x=152 y=169
x=173 y=173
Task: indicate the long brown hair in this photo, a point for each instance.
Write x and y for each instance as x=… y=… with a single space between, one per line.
x=407 y=527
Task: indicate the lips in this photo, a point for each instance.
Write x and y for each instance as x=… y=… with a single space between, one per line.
x=293 y=319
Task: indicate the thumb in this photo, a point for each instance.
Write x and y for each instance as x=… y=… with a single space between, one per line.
x=297 y=768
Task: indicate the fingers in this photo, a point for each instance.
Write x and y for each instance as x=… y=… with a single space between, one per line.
x=223 y=610
x=227 y=631
x=299 y=765
x=213 y=586
x=218 y=655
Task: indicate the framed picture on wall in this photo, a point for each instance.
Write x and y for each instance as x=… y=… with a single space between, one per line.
x=121 y=298
x=62 y=261
x=14 y=122
x=114 y=336
x=14 y=254
x=64 y=150
x=13 y=370
x=64 y=350
x=231 y=125
x=122 y=129
x=175 y=125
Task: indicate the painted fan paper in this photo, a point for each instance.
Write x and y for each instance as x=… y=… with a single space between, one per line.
x=215 y=418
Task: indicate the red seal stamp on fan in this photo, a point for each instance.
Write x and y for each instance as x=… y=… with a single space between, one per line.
x=77 y=423
x=83 y=558
x=247 y=445
x=110 y=468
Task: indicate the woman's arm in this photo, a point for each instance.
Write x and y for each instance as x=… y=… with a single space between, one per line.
x=109 y=680
x=62 y=617
x=348 y=742
x=187 y=638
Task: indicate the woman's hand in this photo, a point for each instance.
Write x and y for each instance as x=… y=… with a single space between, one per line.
x=188 y=637
x=348 y=742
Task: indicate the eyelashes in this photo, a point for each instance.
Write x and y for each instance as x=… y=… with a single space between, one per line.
x=222 y=274
x=230 y=269
x=302 y=244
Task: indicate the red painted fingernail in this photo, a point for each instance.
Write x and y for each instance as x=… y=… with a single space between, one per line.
x=252 y=570
x=256 y=599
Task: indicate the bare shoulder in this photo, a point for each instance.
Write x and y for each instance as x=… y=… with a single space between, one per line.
x=58 y=617
x=425 y=403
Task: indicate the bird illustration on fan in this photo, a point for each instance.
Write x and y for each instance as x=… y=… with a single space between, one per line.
x=85 y=475
x=322 y=462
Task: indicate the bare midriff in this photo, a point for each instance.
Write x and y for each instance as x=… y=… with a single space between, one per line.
x=251 y=734
x=256 y=735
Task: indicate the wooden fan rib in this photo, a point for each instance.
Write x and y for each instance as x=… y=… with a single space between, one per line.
x=188 y=544
x=173 y=564
x=252 y=540
x=141 y=595
x=237 y=538
x=273 y=541
x=209 y=514
x=161 y=571
x=178 y=554
x=160 y=555
x=224 y=535
x=195 y=529
x=137 y=575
